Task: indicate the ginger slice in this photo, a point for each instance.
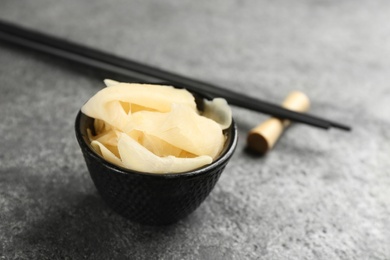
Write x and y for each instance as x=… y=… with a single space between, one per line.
x=182 y=128
x=106 y=153
x=155 y=97
x=154 y=128
x=137 y=157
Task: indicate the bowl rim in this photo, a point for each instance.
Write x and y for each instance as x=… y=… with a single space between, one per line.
x=225 y=156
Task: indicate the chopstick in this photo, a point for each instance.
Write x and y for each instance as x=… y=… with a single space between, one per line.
x=126 y=68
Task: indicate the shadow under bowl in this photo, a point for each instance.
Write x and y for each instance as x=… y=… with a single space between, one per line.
x=149 y=198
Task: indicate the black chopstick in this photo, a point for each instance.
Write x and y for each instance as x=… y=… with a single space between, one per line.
x=124 y=67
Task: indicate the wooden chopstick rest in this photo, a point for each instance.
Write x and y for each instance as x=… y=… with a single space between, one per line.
x=263 y=137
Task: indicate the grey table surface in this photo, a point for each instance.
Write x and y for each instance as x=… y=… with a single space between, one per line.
x=317 y=195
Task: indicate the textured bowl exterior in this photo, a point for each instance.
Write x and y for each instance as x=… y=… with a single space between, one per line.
x=153 y=199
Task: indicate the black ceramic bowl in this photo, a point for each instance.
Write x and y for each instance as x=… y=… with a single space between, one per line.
x=147 y=198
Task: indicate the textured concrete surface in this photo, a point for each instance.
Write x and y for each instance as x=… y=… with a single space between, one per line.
x=317 y=195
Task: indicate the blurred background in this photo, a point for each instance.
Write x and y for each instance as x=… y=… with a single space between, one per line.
x=317 y=195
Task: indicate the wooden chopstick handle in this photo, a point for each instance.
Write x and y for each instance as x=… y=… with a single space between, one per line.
x=263 y=137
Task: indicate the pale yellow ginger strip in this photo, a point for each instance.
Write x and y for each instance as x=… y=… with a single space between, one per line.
x=159 y=147
x=110 y=82
x=115 y=114
x=135 y=134
x=106 y=153
x=108 y=138
x=107 y=130
x=151 y=96
x=136 y=157
x=182 y=128
x=94 y=137
x=185 y=154
x=219 y=111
